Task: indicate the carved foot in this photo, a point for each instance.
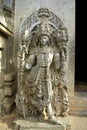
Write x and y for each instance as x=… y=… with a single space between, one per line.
x=65 y=114
x=55 y=121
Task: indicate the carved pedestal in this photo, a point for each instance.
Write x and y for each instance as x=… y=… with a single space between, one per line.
x=38 y=126
x=33 y=124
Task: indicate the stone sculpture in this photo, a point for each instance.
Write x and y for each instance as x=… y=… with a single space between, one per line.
x=42 y=58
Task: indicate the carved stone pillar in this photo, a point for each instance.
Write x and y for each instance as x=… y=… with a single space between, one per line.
x=9 y=92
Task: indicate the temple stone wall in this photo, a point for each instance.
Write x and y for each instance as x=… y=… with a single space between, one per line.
x=65 y=10
x=7 y=88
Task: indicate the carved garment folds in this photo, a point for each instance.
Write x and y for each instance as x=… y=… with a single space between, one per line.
x=42 y=60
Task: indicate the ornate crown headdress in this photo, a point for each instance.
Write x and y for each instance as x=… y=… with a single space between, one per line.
x=44 y=29
x=43 y=12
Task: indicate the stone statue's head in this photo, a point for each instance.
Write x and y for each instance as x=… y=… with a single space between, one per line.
x=44 y=33
x=44 y=28
x=44 y=40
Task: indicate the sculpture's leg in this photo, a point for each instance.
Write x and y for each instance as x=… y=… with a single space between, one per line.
x=50 y=112
x=52 y=118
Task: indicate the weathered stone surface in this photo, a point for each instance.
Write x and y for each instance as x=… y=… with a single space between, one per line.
x=8 y=91
x=43 y=128
x=65 y=9
x=1 y=95
x=8 y=104
x=78 y=105
x=1 y=100
x=7 y=22
x=34 y=124
x=9 y=77
x=27 y=125
x=38 y=81
x=1 y=80
x=9 y=84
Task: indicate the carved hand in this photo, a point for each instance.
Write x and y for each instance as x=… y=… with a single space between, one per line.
x=28 y=66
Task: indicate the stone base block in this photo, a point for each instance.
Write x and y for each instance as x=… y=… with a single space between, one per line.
x=29 y=125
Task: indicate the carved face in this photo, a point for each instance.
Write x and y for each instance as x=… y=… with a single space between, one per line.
x=44 y=39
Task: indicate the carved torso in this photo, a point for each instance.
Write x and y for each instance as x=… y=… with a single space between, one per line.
x=45 y=57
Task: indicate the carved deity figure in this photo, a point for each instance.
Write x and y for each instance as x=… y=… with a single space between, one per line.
x=40 y=76
x=42 y=90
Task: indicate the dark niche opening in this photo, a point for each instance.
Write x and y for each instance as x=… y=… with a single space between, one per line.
x=80 y=53
x=80 y=67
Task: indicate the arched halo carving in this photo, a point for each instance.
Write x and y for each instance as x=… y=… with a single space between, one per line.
x=32 y=22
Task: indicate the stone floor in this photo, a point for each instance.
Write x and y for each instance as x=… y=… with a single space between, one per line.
x=78 y=122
